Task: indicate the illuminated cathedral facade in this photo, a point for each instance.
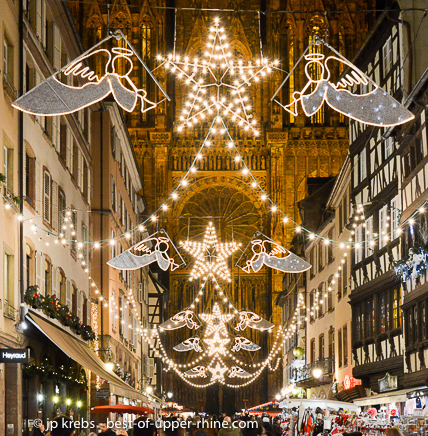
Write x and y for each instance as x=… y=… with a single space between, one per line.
x=289 y=150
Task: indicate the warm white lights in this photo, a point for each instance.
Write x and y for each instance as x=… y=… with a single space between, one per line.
x=217 y=83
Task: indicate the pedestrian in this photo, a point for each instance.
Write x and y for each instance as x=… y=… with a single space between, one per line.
x=227 y=428
x=62 y=426
x=393 y=431
x=143 y=427
x=277 y=426
x=39 y=431
x=105 y=431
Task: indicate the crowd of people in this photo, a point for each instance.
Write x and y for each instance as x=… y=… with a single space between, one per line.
x=176 y=425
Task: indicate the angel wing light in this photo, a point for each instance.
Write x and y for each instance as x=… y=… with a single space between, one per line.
x=376 y=107
x=278 y=257
x=252 y=320
x=189 y=344
x=245 y=344
x=197 y=371
x=52 y=97
x=130 y=261
x=237 y=371
x=180 y=319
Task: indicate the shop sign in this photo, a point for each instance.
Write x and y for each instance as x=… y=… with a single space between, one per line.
x=418 y=412
x=350 y=382
x=388 y=383
x=14 y=355
x=102 y=394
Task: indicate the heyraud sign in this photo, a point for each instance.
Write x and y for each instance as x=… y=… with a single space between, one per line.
x=14 y=355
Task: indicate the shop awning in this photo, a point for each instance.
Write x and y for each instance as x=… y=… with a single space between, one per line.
x=313 y=403
x=80 y=352
x=385 y=398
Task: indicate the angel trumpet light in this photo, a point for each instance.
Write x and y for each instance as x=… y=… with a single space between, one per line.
x=217 y=82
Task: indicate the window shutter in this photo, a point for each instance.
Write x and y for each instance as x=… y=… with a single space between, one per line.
x=113 y=310
x=368 y=236
x=68 y=296
x=24 y=170
x=89 y=186
x=55 y=281
x=39 y=187
x=40 y=270
x=39 y=22
x=79 y=305
x=56 y=48
x=80 y=170
x=382 y=226
x=56 y=135
x=55 y=216
x=363 y=165
x=47 y=194
x=69 y=151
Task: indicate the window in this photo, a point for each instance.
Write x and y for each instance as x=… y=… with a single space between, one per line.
x=387 y=56
x=369 y=237
x=311 y=304
x=85 y=180
x=330 y=297
x=358 y=251
x=344 y=279
x=383 y=226
x=84 y=240
x=47 y=197
x=7 y=61
x=321 y=301
x=63 y=142
x=114 y=311
x=339 y=341
x=30 y=178
x=389 y=146
x=29 y=266
x=48 y=277
x=75 y=161
x=395 y=217
x=8 y=167
x=113 y=195
x=313 y=358
x=345 y=345
x=330 y=248
x=396 y=312
x=8 y=274
x=363 y=165
x=74 y=300
x=62 y=204
x=73 y=232
x=321 y=346
x=85 y=311
x=320 y=257
x=62 y=286
x=331 y=342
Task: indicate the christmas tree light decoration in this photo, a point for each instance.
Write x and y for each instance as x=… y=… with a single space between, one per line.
x=210 y=255
x=153 y=250
x=179 y=320
x=266 y=252
x=52 y=97
x=189 y=344
x=252 y=320
x=217 y=82
x=245 y=344
x=372 y=106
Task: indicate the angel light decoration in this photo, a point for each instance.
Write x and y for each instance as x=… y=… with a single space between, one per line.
x=53 y=97
x=375 y=107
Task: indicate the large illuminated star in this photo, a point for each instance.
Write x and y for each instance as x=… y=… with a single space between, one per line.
x=216 y=321
x=217 y=371
x=218 y=82
x=217 y=344
x=210 y=255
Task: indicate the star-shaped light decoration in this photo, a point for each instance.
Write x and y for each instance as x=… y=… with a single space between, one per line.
x=217 y=344
x=218 y=370
x=216 y=328
x=210 y=256
x=218 y=82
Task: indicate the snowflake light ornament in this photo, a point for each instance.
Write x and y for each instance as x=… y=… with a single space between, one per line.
x=218 y=83
x=210 y=255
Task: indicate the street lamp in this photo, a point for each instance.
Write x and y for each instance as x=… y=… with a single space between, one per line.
x=79 y=404
x=68 y=401
x=55 y=399
x=317 y=372
x=39 y=398
x=277 y=397
x=149 y=389
x=169 y=394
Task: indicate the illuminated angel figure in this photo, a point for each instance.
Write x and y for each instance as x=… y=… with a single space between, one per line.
x=159 y=253
x=277 y=257
x=376 y=107
x=252 y=320
x=217 y=82
x=52 y=97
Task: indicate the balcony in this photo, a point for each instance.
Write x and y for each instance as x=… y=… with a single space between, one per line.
x=9 y=311
x=305 y=378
